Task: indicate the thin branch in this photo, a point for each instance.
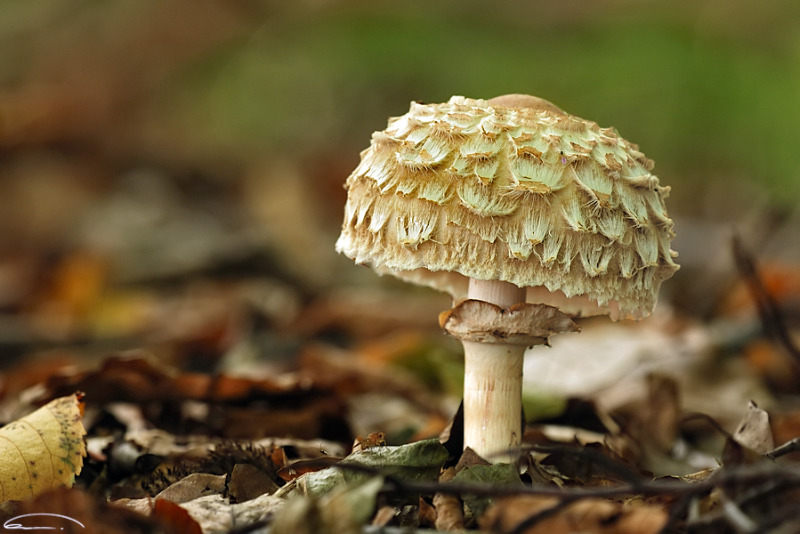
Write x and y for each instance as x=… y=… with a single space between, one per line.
x=764 y=480
x=772 y=524
x=676 y=513
x=742 y=475
x=790 y=446
x=708 y=419
x=765 y=491
x=771 y=317
x=735 y=516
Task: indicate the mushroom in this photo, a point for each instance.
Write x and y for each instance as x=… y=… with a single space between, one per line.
x=528 y=216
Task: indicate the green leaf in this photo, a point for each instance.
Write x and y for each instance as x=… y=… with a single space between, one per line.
x=421 y=460
x=344 y=511
x=491 y=475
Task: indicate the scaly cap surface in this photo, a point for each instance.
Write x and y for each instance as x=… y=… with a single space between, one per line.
x=512 y=189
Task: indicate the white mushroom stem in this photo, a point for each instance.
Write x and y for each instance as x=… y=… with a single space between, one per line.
x=493 y=383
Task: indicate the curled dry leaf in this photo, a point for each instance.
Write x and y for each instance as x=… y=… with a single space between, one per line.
x=752 y=439
x=427 y=514
x=43 y=450
x=524 y=324
x=449 y=510
x=754 y=431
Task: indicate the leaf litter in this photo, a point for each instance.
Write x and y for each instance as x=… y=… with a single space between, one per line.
x=188 y=433
x=236 y=378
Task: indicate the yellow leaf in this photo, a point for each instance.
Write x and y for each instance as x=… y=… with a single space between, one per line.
x=42 y=450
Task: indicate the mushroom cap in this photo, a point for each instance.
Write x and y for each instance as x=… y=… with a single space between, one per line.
x=512 y=189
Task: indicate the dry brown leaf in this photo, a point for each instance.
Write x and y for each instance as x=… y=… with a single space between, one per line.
x=781 y=282
x=34 y=369
x=134 y=376
x=769 y=360
x=249 y=408
x=172 y=514
x=74 y=511
x=248 y=482
x=336 y=369
x=587 y=515
x=191 y=487
x=371 y=314
x=663 y=414
x=427 y=514
x=449 y=509
x=384 y=515
x=449 y=512
x=76 y=284
x=786 y=427
x=43 y=450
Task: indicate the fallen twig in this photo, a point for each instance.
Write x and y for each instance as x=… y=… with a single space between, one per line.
x=743 y=475
x=790 y=446
x=763 y=480
x=708 y=419
x=771 y=317
x=676 y=513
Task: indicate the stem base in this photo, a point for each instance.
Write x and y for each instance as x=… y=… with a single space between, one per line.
x=493 y=399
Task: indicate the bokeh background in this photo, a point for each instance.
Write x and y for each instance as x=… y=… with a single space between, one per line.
x=173 y=169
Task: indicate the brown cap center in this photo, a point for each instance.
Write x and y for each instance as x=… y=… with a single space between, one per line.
x=527 y=102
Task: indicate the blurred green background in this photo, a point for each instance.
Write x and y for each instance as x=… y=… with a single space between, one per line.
x=168 y=135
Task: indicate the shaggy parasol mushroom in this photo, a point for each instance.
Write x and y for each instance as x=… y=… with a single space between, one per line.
x=527 y=216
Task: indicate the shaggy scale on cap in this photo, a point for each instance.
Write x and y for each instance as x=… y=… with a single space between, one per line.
x=512 y=189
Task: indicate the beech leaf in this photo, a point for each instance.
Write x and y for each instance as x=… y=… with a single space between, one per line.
x=43 y=450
